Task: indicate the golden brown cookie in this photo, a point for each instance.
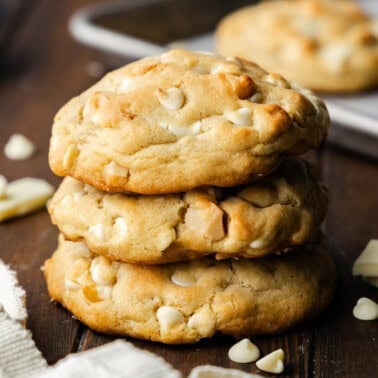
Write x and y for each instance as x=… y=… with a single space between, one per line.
x=185 y=302
x=183 y=120
x=324 y=45
x=278 y=212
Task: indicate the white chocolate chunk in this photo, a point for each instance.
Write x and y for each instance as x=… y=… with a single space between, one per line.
x=120 y=226
x=203 y=321
x=207 y=221
x=272 y=362
x=169 y=317
x=244 y=352
x=104 y=291
x=277 y=80
x=335 y=56
x=241 y=117
x=171 y=99
x=258 y=243
x=70 y=156
x=3 y=185
x=367 y=263
x=365 y=309
x=71 y=285
x=97 y=231
x=23 y=196
x=181 y=280
x=181 y=131
x=83 y=250
x=113 y=169
x=19 y=147
x=102 y=271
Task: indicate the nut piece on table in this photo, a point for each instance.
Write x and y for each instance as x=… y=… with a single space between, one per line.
x=243 y=352
x=365 y=309
x=19 y=147
x=272 y=362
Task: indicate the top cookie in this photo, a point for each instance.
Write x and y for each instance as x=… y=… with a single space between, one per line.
x=324 y=45
x=182 y=120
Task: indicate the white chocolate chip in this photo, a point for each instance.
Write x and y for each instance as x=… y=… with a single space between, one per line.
x=70 y=156
x=277 y=80
x=241 y=117
x=102 y=271
x=244 y=352
x=365 y=309
x=19 y=147
x=83 y=250
x=171 y=99
x=126 y=85
x=181 y=280
x=272 y=362
x=97 y=231
x=258 y=243
x=113 y=169
x=3 y=185
x=23 y=196
x=203 y=321
x=104 y=291
x=120 y=226
x=335 y=55
x=257 y=97
x=77 y=196
x=181 y=131
x=367 y=263
x=71 y=285
x=89 y=189
x=169 y=317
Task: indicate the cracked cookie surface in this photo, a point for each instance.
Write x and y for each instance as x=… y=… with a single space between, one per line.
x=324 y=45
x=272 y=215
x=183 y=120
x=185 y=302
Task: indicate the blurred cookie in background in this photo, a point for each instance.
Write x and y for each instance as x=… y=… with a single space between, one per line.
x=328 y=46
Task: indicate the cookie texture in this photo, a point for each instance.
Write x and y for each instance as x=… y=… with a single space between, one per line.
x=185 y=302
x=274 y=214
x=325 y=45
x=183 y=120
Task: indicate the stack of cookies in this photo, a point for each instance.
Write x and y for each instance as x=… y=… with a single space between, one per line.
x=181 y=214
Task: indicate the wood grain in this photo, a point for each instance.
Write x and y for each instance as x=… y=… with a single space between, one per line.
x=42 y=68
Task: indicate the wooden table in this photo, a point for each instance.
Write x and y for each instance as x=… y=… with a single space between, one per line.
x=41 y=68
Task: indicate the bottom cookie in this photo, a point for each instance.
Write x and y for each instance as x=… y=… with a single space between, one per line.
x=185 y=302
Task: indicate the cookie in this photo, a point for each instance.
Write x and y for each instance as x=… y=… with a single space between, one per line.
x=185 y=302
x=272 y=215
x=183 y=120
x=325 y=45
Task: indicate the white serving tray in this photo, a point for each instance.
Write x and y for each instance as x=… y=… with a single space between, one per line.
x=354 y=113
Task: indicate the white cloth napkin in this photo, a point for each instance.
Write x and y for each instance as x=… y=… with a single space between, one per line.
x=19 y=357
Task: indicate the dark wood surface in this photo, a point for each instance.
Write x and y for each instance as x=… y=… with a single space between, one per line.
x=41 y=68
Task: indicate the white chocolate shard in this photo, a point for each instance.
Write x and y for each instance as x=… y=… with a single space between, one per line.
x=367 y=263
x=23 y=196
x=182 y=131
x=365 y=309
x=19 y=147
x=244 y=352
x=272 y=362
